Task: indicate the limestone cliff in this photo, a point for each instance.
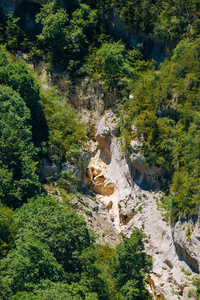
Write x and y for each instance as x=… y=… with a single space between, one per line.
x=186 y=235
x=108 y=173
x=132 y=199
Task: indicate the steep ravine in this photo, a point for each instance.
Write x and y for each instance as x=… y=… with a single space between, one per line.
x=132 y=198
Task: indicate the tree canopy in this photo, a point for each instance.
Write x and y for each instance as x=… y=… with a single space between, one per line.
x=17 y=168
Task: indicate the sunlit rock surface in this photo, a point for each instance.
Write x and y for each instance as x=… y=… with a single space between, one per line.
x=186 y=234
x=108 y=170
x=129 y=190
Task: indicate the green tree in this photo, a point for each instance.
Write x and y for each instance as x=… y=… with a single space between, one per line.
x=28 y=264
x=64 y=232
x=54 y=35
x=84 y=20
x=66 y=133
x=54 y=248
x=8 y=230
x=3 y=57
x=129 y=266
x=16 y=75
x=113 y=65
x=165 y=110
x=48 y=290
x=17 y=168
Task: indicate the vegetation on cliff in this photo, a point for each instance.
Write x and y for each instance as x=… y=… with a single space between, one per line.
x=46 y=250
x=165 y=109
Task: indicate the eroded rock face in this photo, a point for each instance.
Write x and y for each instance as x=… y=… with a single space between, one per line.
x=98 y=220
x=186 y=234
x=148 y=178
x=108 y=171
x=170 y=274
x=129 y=191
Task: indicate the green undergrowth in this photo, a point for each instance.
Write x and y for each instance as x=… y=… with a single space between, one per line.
x=37 y=125
x=165 y=110
x=46 y=250
x=56 y=256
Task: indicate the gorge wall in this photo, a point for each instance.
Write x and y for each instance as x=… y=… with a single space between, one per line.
x=130 y=192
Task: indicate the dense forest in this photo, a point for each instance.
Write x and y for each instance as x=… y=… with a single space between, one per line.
x=46 y=250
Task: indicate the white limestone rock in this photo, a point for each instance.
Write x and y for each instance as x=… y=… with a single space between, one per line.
x=132 y=204
x=186 y=233
x=109 y=173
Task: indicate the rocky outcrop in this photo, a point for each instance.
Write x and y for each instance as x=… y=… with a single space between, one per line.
x=170 y=274
x=88 y=98
x=108 y=171
x=98 y=220
x=148 y=178
x=129 y=191
x=122 y=205
x=52 y=171
x=186 y=235
x=92 y=210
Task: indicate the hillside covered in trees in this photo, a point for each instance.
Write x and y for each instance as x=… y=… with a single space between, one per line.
x=46 y=249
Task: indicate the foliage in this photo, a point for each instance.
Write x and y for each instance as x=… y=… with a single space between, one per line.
x=129 y=266
x=49 y=290
x=16 y=75
x=165 y=110
x=66 y=133
x=3 y=58
x=29 y=263
x=196 y=282
x=54 y=36
x=117 y=67
x=68 y=242
x=17 y=168
x=8 y=229
x=57 y=248
x=168 y=20
x=113 y=64
x=11 y=34
x=21 y=107
x=55 y=256
x=66 y=41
